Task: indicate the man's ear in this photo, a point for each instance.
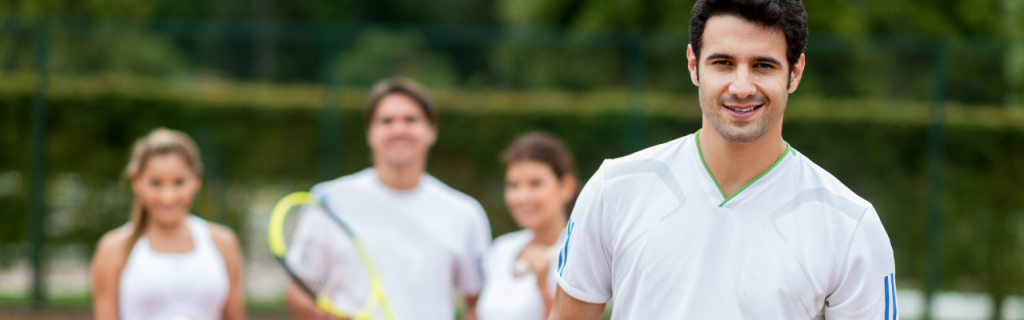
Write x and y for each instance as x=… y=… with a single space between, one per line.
x=433 y=134
x=797 y=73
x=691 y=63
x=568 y=186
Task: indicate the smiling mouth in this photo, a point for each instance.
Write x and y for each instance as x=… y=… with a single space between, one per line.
x=745 y=110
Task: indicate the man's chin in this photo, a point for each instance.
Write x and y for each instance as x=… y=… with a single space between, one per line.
x=400 y=161
x=745 y=133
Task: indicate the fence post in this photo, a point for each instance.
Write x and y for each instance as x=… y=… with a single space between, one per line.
x=330 y=117
x=936 y=165
x=213 y=172
x=636 y=76
x=37 y=184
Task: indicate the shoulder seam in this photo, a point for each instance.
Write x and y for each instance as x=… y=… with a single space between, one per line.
x=846 y=255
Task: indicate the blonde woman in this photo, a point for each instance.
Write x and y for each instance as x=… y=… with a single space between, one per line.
x=166 y=263
x=540 y=185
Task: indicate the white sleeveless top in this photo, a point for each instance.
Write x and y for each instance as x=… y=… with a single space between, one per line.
x=506 y=296
x=165 y=286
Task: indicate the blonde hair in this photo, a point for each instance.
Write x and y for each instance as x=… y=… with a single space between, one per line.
x=160 y=141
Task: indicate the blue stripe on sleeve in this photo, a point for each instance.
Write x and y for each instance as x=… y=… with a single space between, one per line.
x=560 y=261
x=886 y=297
x=565 y=249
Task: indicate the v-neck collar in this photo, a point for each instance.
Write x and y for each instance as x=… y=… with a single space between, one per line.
x=700 y=153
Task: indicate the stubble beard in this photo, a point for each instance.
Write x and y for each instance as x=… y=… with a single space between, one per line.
x=739 y=134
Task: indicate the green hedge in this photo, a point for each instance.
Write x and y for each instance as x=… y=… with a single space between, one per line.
x=246 y=145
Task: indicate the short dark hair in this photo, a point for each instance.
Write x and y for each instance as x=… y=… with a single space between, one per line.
x=546 y=149
x=543 y=148
x=404 y=86
x=787 y=16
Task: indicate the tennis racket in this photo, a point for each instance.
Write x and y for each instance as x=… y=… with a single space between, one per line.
x=325 y=258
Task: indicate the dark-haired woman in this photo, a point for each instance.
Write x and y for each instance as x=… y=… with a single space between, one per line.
x=167 y=264
x=540 y=184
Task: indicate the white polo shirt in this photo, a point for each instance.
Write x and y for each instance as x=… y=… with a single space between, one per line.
x=653 y=232
x=424 y=242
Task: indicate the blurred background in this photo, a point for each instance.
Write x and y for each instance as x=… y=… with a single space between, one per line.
x=916 y=105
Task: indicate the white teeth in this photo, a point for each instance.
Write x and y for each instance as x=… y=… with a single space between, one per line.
x=743 y=110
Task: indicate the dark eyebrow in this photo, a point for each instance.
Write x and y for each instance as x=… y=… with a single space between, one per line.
x=719 y=56
x=768 y=60
x=762 y=59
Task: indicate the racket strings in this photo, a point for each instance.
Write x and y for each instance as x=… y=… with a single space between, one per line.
x=325 y=258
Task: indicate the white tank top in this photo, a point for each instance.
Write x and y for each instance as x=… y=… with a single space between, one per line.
x=165 y=286
x=506 y=296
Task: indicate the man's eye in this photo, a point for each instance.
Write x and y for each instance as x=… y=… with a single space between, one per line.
x=721 y=63
x=764 y=66
x=410 y=119
x=385 y=121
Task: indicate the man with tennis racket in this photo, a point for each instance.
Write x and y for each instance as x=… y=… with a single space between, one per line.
x=389 y=242
x=729 y=222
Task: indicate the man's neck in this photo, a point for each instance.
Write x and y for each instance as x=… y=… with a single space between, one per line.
x=733 y=165
x=404 y=177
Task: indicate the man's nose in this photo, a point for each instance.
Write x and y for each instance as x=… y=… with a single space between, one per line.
x=741 y=86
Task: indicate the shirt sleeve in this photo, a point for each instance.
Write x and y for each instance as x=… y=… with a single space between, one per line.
x=584 y=270
x=469 y=269
x=867 y=288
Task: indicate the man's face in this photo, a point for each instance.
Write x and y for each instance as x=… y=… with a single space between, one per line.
x=399 y=132
x=744 y=80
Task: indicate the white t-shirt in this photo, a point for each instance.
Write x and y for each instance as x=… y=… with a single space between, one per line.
x=506 y=296
x=424 y=242
x=653 y=232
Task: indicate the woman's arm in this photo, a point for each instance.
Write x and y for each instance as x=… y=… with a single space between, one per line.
x=227 y=244
x=542 y=284
x=540 y=261
x=107 y=263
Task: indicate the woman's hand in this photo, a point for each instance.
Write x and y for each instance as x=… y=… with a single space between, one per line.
x=537 y=257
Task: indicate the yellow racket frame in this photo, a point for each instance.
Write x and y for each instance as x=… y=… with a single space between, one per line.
x=275 y=237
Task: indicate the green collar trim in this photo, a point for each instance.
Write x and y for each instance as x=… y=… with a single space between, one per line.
x=789 y=149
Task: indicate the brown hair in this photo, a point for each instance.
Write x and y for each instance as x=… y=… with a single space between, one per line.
x=404 y=86
x=158 y=142
x=543 y=148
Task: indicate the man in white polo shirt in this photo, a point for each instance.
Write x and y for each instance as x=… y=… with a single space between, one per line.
x=730 y=222
x=424 y=237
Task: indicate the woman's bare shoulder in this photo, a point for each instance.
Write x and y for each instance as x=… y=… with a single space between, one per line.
x=115 y=238
x=113 y=246
x=223 y=236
